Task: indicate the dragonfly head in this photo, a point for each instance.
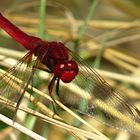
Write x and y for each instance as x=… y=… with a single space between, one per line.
x=66 y=71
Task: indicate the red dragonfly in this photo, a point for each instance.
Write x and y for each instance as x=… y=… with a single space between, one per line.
x=97 y=99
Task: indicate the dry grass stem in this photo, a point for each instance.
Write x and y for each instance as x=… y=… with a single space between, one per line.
x=21 y=128
x=102 y=24
x=53 y=121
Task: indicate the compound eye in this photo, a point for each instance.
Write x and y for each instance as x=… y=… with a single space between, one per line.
x=59 y=69
x=66 y=71
x=73 y=66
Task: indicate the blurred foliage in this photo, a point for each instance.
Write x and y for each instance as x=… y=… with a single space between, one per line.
x=136 y=2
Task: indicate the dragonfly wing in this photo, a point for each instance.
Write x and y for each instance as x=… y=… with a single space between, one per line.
x=10 y=87
x=98 y=99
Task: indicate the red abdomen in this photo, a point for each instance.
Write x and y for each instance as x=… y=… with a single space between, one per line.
x=24 y=39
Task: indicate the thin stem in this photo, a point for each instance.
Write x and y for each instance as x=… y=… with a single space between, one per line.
x=42 y=15
x=84 y=25
x=21 y=128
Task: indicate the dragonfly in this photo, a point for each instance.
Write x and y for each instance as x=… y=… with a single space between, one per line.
x=96 y=97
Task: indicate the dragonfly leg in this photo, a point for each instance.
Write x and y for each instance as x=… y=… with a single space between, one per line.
x=57 y=87
x=57 y=90
x=17 y=106
x=44 y=69
x=50 y=88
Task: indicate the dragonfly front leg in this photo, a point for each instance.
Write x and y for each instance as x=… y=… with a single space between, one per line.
x=50 y=88
x=43 y=68
x=57 y=90
x=57 y=87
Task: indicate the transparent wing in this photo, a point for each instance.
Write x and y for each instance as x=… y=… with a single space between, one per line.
x=10 y=88
x=98 y=99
